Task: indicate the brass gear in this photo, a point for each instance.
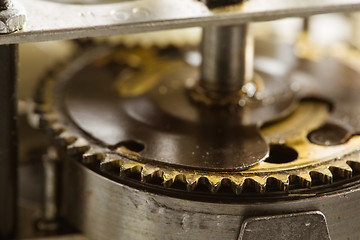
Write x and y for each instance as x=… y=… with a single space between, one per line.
x=314 y=162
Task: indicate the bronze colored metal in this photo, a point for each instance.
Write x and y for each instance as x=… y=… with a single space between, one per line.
x=144 y=100
x=134 y=117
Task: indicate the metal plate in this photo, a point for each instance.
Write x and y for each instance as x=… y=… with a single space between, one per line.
x=305 y=225
x=171 y=128
x=53 y=21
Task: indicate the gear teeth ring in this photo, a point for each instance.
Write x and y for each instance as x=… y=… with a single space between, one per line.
x=214 y=183
x=301 y=179
x=342 y=162
x=192 y=180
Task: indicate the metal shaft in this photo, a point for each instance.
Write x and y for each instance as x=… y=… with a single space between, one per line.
x=51 y=182
x=227 y=58
x=306 y=24
x=49 y=219
x=8 y=140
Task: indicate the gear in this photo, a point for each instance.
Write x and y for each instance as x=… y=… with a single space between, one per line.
x=294 y=158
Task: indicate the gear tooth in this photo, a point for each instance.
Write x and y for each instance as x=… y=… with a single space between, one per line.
x=108 y=158
x=56 y=129
x=192 y=181
x=354 y=164
x=227 y=183
x=238 y=180
x=171 y=177
x=111 y=164
x=301 y=179
x=80 y=146
x=256 y=183
x=47 y=119
x=238 y=183
x=80 y=142
x=147 y=173
x=159 y=173
x=131 y=170
x=177 y=181
x=93 y=155
x=168 y=177
x=48 y=83
x=39 y=94
x=278 y=182
x=323 y=175
x=260 y=183
x=203 y=185
x=46 y=123
x=43 y=108
x=341 y=169
x=131 y=166
x=180 y=177
x=215 y=182
x=65 y=138
x=154 y=177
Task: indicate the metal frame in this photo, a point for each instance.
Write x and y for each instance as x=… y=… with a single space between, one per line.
x=8 y=140
x=47 y=21
x=54 y=21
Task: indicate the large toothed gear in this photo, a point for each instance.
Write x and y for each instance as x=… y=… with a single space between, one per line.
x=82 y=116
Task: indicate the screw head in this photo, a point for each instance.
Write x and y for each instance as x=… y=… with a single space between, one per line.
x=12 y=17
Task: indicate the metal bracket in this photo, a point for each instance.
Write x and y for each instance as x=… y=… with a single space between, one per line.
x=54 y=21
x=295 y=226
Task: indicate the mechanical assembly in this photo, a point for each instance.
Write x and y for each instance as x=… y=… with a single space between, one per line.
x=206 y=128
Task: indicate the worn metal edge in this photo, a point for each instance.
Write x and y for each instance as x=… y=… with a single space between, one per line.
x=54 y=21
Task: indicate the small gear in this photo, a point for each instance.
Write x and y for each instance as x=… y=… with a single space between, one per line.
x=294 y=159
